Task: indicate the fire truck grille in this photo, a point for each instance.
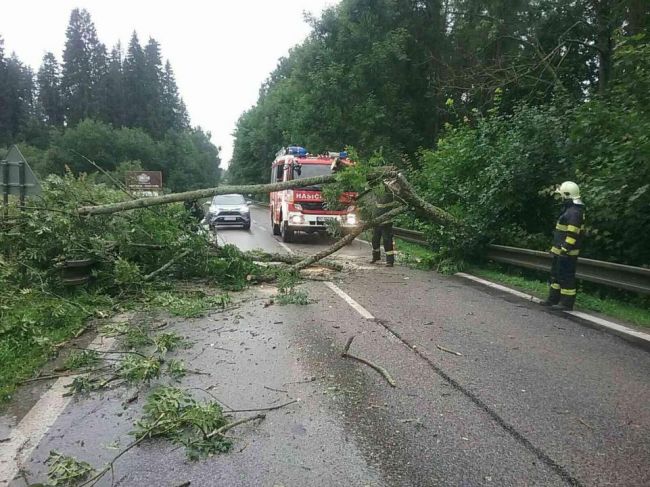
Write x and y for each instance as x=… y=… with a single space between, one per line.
x=313 y=206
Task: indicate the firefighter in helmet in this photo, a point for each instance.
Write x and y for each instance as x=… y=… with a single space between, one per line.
x=385 y=201
x=567 y=240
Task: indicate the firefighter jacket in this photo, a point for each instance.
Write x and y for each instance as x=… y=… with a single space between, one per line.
x=383 y=204
x=569 y=230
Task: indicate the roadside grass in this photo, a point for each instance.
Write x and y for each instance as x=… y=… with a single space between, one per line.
x=34 y=325
x=627 y=307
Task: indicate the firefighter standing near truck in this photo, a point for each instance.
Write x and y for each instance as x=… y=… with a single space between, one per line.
x=567 y=241
x=379 y=201
x=384 y=202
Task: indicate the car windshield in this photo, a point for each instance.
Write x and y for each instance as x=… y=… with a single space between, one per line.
x=228 y=199
x=312 y=170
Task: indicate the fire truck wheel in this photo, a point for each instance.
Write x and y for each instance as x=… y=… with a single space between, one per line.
x=287 y=234
x=274 y=226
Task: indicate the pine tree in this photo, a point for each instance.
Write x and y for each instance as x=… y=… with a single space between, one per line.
x=49 y=91
x=19 y=89
x=84 y=65
x=112 y=108
x=153 y=88
x=174 y=113
x=5 y=130
x=134 y=92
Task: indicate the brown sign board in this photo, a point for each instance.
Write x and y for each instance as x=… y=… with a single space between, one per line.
x=144 y=180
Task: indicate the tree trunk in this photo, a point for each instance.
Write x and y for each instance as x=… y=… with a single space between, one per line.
x=403 y=190
x=386 y=217
x=201 y=193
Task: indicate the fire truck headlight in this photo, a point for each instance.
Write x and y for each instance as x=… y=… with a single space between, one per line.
x=297 y=219
x=351 y=219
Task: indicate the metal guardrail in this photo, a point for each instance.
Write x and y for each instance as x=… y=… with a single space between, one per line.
x=621 y=276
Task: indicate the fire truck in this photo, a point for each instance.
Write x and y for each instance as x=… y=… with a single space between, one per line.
x=304 y=209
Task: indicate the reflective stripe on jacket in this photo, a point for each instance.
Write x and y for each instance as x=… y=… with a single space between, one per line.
x=569 y=231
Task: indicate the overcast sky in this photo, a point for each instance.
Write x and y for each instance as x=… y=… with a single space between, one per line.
x=221 y=50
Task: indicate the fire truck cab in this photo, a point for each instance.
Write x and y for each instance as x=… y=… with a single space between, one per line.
x=304 y=209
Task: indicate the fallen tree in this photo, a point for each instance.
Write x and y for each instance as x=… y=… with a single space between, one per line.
x=406 y=197
x=385 y=218
x=202 y=193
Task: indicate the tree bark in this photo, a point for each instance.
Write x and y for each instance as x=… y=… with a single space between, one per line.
x=403 y=190
x=201 y=193
x=386 y=217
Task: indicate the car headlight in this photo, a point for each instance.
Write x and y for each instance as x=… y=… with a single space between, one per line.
x=244 y=209
x=351 y=219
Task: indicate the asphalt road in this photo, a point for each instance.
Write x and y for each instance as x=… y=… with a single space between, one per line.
x=528 y=397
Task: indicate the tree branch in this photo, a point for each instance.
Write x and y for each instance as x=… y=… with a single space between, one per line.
x=202 y=193
x=386 y=217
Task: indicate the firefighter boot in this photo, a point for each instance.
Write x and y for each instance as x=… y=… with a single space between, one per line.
x=376 y=256
x=566 y=303
x=553 y=295
x=390 y=259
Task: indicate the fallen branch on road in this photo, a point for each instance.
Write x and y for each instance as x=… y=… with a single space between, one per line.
x=230 y=426
x=201 y=193
x=405 y=191
x=287 y=259
x=386 y=217
x=150 y=276
x=449 y=351
x=384 y=373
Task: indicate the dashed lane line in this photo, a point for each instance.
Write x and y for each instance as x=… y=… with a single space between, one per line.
x=26 y=436
x=285 y=247
x=348 y=299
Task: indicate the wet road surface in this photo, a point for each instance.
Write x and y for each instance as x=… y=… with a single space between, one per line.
x=532 y=399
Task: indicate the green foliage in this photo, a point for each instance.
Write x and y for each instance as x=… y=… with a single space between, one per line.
x=188 y=305
x=498 y=174
x=83 y=359
x=109 y=109
x=31 y=324
x=287 y=292
x=174 y=414
x=176 y=369
x=137 y=369
x=67 y=471
x=136 y=337
x=38 y=312
x=167 y=342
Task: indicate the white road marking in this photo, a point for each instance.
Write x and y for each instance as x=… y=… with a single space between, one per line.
x=286 y=247
x=617 y=329
x=499 y=287
x=26 y=436
x=612 y=326
x=356 y=306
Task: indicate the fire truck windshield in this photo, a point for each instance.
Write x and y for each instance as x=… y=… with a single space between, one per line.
x=312 y=170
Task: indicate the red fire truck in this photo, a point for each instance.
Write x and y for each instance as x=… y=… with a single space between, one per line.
x=304 y=209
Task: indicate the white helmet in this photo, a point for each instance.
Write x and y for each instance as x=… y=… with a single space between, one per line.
x=569 y=190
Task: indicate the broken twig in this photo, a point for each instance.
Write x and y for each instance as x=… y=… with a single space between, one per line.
x=384 y=373
x=449 y=351
x=229 y=426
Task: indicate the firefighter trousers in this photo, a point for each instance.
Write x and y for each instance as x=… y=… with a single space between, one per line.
x=562 y=283
x=384 y=232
